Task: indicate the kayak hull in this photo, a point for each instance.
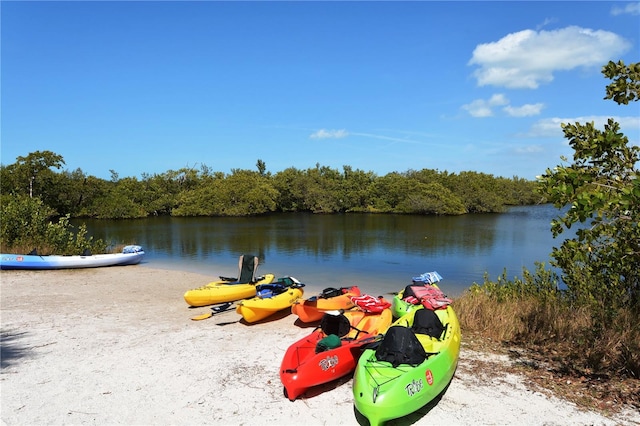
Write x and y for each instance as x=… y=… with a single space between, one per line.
x=383 y=392
x=258 y=308
x=400 y=308
x=312 y=309
x=131 y=255
x=302 y=368
x=223 y=291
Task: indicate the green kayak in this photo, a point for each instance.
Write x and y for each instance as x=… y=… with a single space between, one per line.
x=413 y=364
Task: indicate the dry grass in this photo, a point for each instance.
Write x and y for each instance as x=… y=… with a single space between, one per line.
x=558 y=347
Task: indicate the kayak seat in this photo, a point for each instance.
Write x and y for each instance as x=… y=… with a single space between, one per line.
x=427 y=322
x=400 y=346
x=335 y=324
x=247 y=267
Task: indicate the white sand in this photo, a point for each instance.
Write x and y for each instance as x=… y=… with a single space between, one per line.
x=117 y=346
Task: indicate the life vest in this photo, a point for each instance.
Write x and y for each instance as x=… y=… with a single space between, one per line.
x=370 y=303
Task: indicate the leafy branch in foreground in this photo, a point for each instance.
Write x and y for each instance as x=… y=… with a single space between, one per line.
x=590 y=328
x=602 y=189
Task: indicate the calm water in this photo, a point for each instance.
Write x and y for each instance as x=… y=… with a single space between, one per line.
x=378 y=252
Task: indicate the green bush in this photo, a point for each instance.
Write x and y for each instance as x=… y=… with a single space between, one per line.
x=27 y=224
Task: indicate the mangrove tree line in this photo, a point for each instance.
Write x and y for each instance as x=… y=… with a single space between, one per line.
x=192 y=191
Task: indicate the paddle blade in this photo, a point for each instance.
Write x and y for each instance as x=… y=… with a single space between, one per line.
x=202 y=317
x=214 y=310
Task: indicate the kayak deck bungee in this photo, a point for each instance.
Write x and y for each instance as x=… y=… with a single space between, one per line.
x=224 y=291
x=408 y=369
x=330 y=299
x=270 y=298
x=331 y=351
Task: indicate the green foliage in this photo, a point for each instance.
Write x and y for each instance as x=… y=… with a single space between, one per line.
x=32 y=176
x=355 y=195
x=541 y=285
x=27 y=224
x=24 y=220
x=430 y=198
x=245 y=193
x=290 y=185
x=625 y=85
x=602 y=189
x=321 y=189
x=479 y=192
x=242 y=193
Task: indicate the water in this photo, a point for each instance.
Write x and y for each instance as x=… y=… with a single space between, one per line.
x=380 y=253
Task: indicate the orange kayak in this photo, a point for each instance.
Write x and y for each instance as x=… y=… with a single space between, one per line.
x=330 y=299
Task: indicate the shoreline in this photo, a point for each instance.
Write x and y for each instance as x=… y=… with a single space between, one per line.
x=117 y=346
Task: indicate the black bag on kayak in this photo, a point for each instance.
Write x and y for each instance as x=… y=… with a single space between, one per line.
x=330 y=292
x=427 y=322
x=400 y=346
x=408 y=292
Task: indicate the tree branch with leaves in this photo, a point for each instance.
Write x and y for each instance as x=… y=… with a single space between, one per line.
x=602 y=190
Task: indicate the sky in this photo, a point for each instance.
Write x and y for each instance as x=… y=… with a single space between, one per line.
x=142 y=88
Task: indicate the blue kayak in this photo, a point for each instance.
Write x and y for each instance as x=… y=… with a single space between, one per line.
x=130 y=255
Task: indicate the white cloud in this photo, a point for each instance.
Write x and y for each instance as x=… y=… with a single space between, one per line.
x=629 y=8
x=484 y=108
x=548 y=127
x=629 y=123
x=526 y=110
x=551 y=127
x=529 y=149
x=329 y=134
x=528 y=58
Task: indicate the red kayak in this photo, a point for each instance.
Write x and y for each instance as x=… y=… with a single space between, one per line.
x=332 y=350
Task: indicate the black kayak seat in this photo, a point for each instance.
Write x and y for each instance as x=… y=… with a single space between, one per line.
x=427 y=322
x=335 y=324
x=400 y=346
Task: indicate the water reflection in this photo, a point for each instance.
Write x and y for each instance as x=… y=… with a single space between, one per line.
x=379 y=252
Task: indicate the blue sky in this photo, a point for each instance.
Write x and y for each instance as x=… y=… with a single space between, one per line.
x=147 y=87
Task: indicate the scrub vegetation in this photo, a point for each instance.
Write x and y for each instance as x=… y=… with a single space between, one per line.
x=582 y=326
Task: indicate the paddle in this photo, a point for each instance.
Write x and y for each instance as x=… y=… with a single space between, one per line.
x=214 y=310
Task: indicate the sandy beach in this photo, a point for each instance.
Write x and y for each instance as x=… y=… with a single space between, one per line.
x=118 y=346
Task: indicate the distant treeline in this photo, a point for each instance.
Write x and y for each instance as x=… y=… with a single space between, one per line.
x=204 y=192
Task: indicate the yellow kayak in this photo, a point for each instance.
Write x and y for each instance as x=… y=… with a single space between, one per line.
x=270 y=299
x=224 y=291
